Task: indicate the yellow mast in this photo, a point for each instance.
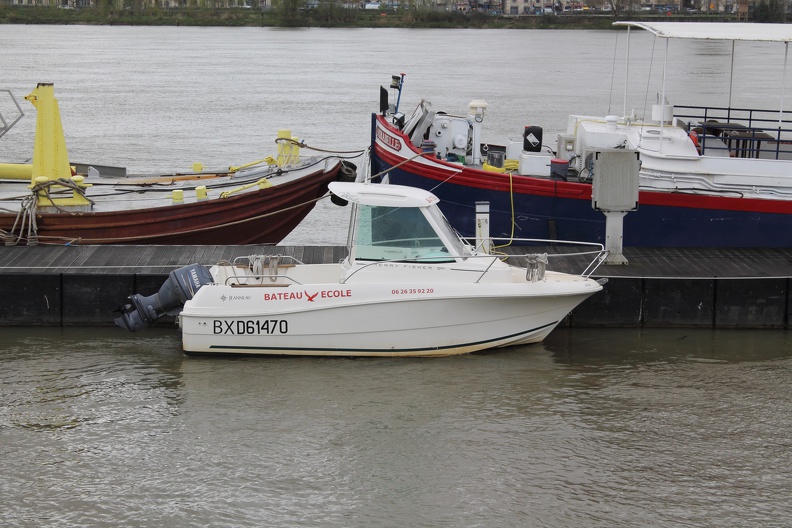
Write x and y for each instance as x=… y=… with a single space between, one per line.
x=50 y=158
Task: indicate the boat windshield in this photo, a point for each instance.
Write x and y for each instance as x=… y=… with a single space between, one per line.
x=399 y=233
x=455 y=244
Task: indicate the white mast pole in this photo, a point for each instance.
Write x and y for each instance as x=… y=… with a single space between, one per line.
x=731 y=76
x=626 y=71
x=663 y=95
x=783 y=85
x=665 y=69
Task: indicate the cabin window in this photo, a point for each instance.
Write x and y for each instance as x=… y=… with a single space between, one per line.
x=456 y=246
x=395 y=233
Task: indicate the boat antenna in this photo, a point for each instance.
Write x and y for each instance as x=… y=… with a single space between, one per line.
x=783 y=84
x=731 y=78
x=613 y=71
x=397 y=81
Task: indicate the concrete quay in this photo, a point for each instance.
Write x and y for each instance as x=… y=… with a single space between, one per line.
x=660 y=287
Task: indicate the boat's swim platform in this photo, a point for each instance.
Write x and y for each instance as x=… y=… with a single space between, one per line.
x=659 y=287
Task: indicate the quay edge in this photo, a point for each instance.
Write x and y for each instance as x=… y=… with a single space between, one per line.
x=660 y=287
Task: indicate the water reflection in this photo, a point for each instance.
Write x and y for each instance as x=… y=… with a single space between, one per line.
x=65 y=378
x=590 y=428
x=690 y=421
x=674 y=344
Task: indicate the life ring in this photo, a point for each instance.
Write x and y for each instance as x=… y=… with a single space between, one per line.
x=694 y=138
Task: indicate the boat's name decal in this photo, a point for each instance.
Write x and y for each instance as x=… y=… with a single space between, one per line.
x=283 y=296
x=389 y=140
x=251 y=327
x=308 y=296
x=330 y=294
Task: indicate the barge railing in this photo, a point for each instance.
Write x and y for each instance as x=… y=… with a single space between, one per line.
x=743 y=132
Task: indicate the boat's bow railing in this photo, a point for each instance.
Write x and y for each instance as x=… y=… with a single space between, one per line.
x=445 y=258
x=739 y=132
x=535 y=262
x=548 y=249
x=261 y=268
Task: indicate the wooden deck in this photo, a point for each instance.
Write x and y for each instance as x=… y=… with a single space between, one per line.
x=676 y=263
x=157 y=260
x=687 y=287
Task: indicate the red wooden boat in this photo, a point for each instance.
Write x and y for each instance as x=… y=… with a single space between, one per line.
x=260 y=203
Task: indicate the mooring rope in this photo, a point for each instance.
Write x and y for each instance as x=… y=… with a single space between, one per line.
x=26 y=216
x=381 y=173
x=302 y=144
x=26 y=220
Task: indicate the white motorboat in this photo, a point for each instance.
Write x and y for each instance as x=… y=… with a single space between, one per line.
x=410 y=286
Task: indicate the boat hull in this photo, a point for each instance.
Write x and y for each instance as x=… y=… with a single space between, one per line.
x=258 y=216
x=532 y=207
x=411 y=319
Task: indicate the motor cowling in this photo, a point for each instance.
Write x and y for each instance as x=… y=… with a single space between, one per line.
x=142 y=311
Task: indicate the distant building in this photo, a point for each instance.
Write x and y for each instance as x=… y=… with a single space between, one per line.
x=519 y=7
x=508 y=7
x=166 y=4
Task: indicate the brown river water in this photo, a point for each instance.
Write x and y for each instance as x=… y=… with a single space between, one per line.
x=591 y=428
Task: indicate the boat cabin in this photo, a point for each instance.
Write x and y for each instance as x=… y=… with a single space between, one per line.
x=397 y=223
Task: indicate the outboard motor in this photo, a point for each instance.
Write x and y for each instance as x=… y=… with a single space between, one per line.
x=180 y=287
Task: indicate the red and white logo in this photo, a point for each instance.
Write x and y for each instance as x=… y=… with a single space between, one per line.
x=389 y=140
x=310 y=297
